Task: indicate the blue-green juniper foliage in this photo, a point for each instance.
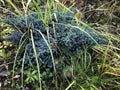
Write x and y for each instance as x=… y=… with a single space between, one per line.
x=62 y=30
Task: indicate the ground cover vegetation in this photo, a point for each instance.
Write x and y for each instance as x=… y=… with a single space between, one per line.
x=57 y=45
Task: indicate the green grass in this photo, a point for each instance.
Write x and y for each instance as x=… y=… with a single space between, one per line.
x=99 y=70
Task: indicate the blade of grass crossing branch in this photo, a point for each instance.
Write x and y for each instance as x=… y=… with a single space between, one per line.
x=20 y=46
x=36 y=58
x=49 y=49
x=23 y=60
x=68 y=25
x=53 y=61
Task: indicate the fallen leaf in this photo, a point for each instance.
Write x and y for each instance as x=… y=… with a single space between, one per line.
x=16 y=76
x=0 y=84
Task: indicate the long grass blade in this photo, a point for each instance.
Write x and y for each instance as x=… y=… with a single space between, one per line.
x=36 y=58
x=70 y=85
x=14 y=6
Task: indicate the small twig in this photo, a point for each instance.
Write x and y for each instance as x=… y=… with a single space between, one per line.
x=6 y=64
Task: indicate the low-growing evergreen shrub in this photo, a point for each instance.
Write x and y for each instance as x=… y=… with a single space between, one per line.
x=62 y=30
